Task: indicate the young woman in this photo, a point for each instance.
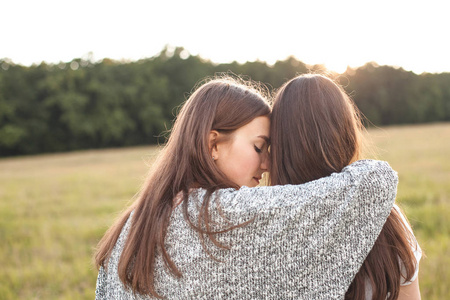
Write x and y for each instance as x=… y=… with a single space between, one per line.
x=200 y=229
x=316 y=130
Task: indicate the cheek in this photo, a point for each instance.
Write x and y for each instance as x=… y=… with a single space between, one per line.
x=241 y=165
x=249 y=161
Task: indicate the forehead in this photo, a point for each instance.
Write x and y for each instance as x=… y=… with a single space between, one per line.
x=257 y=128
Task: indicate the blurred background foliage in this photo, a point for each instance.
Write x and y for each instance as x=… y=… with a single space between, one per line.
x=84 y=104
x=55 y=208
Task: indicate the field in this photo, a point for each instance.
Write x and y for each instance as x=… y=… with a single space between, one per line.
x=55 y=208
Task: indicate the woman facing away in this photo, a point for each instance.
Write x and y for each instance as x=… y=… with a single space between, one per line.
x=316 y=130
x=201 y=229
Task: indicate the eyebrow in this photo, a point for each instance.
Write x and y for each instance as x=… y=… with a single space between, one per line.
x=266 y=138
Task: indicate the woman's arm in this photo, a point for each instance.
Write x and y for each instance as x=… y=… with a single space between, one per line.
x=410 y=292
x=368 y=186
x=324 y=229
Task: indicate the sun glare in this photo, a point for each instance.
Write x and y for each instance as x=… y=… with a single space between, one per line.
x=336 y=66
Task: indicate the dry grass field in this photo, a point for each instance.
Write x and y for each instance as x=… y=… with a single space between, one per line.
x=54 y=209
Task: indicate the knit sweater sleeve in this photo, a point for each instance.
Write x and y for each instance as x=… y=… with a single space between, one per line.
x=322 y=230
x=365 y=185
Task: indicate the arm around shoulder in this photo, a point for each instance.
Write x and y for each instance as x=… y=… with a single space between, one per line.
x=366 y=185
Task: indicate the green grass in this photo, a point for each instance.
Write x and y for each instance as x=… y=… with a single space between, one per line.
x=55 y=208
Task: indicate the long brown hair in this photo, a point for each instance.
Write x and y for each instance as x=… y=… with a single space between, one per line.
x=316 y=130
x=222 y=104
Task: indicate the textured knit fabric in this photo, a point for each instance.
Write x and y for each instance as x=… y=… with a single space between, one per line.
x=306 y=241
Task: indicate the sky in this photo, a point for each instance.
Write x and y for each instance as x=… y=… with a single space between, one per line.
x=410 y=34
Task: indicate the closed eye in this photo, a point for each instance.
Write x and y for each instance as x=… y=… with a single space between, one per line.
x=258 y=149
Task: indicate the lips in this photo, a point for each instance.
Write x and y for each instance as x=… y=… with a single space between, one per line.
x=257 y=179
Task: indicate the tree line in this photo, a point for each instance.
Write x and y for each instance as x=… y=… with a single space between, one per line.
x=82 y=104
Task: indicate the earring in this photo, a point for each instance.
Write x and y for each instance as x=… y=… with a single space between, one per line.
x=213 y=158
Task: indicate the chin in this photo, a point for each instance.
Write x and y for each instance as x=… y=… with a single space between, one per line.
x=253 y=183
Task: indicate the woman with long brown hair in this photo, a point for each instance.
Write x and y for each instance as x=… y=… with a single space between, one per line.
x=200 y=228
x=316 y=131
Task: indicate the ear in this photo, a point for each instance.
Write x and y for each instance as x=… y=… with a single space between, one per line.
x=213 y=137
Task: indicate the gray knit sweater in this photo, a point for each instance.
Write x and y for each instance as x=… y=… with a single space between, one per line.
x=307 y=241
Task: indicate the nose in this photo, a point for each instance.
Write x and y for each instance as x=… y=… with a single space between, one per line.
x=264 y=162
